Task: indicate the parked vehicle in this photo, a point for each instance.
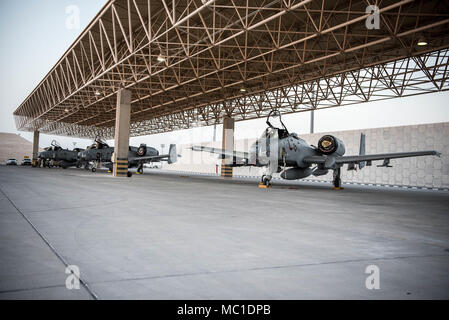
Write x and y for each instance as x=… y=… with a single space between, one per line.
x=26 y=162
x=11 y=162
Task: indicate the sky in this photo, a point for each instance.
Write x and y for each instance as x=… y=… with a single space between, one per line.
x=34 y=36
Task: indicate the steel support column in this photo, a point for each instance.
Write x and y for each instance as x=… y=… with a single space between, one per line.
x=35 y=147
x=121 y=144
x=228 y=145
x=312 y=121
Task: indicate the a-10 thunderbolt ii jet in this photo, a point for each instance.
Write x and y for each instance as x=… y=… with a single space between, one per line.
x=100 y=152
x=283 y=152
x=56 y=155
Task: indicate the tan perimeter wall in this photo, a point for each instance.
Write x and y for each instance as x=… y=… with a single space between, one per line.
x=14 y=146
x=428 y=171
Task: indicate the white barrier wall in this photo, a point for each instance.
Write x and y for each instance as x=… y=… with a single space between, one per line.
x=428 y=171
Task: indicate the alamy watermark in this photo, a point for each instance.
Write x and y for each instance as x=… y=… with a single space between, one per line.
x=372 y=282
x=373 y=20
x=73 y=279
x=72 y=21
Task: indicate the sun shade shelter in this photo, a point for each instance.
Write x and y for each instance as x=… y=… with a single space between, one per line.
x=190 y=63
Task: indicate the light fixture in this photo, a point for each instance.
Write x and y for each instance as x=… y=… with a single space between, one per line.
x=160 y=58
x=242 y=90
x=422 y=41
x=97 y=93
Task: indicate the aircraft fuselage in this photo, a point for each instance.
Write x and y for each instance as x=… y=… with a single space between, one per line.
x=104 y=154
x=291 y=151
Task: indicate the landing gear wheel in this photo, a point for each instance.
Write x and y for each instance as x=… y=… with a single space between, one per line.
x=266 y=180
x=140 y=170
x=94 y=169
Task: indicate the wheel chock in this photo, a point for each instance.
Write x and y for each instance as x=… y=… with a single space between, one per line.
x=263 y=186
x=338 y=188
x=138 y=172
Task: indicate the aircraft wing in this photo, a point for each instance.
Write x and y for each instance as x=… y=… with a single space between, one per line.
x=369 y=157
x=239 y=155
x=150 y=158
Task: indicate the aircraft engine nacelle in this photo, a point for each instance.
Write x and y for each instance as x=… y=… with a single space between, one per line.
x=331 y=145
x=142 y=151
x=296 y=173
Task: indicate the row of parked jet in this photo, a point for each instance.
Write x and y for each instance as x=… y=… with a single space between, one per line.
x=101 y=152
x=277 y=150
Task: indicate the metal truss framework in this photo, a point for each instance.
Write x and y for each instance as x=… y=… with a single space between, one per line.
x=191 y=62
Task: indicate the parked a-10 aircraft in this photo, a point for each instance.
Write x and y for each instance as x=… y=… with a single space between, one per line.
x=284 y=152
x=137 y=156
x=55 y=154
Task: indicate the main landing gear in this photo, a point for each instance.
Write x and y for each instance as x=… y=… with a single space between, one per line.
x=94 y=166
x=265 y=181
x=337 y=179
x=140 y=169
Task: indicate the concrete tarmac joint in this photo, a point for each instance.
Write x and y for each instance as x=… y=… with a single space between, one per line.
x=160 y=236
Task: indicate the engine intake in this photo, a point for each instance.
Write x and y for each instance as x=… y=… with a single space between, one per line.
x=331 y=145
x=142 y=150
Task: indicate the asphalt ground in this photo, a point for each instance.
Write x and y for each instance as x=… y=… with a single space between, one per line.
x=167 y=235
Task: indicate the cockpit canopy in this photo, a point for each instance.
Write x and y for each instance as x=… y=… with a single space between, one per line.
x=99 y=143
x=54 y=146
x=274 y=121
